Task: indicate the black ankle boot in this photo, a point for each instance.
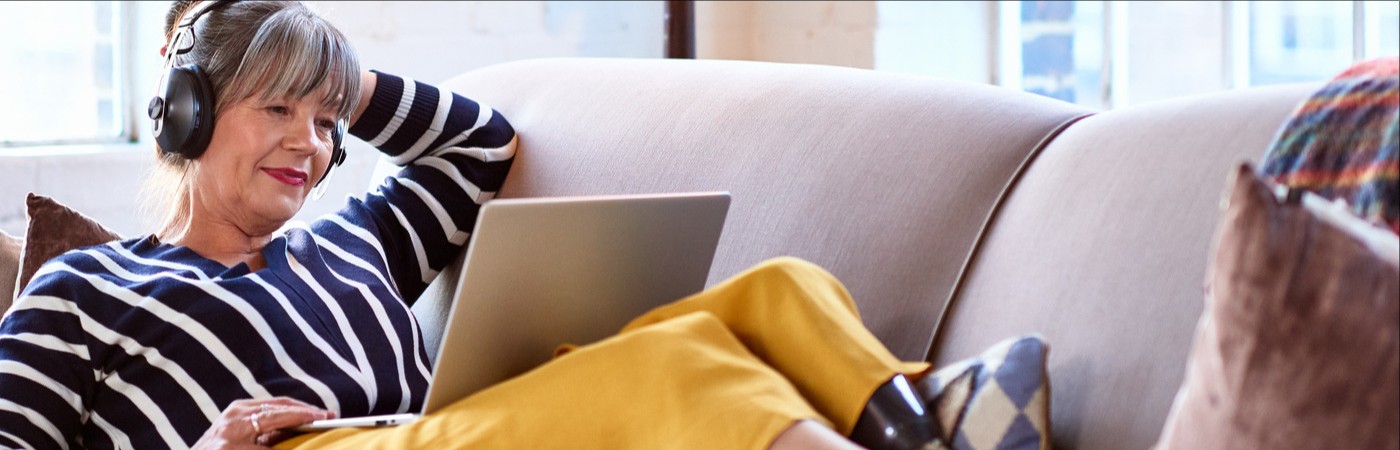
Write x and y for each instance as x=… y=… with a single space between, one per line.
x=894 y=419
x=944 y=400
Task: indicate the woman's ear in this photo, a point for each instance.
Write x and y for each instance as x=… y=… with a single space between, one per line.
x=162 y=51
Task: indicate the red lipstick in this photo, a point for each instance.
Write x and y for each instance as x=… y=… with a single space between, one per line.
x=287 y=175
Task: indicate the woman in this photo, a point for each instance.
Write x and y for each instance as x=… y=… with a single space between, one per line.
x=220 y=331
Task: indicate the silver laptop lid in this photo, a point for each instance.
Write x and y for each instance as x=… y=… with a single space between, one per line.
x=548 y=271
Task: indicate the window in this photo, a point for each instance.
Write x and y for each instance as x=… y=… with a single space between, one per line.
x=1295 y=41
x=937 y=39
x=1291 y=42
x=1380 y=34
x=1059 y=49
x=64 y=84
x=82 y=72
x=1106 y=54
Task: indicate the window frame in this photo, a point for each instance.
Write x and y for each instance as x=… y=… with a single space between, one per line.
x=1237 y=40
x=124 y=81
x=1366 y=38
x=1006 y=60
x=1007 y=64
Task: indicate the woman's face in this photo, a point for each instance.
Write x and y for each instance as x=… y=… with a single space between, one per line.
x=263 y=159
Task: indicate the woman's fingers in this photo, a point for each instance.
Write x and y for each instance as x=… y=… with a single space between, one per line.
x=288 y=401
x=251 y=406
x=257 y=422
x=272 y=438
x=287 y=417
x=274 y=401
x=262 y=416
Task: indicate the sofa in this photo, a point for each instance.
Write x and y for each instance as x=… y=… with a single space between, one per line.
x=957 y=214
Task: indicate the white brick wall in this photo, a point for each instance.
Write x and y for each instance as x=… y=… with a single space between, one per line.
x=101 y=184
x=837 y=33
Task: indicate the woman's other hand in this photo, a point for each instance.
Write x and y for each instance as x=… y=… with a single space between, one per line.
x=259 y=423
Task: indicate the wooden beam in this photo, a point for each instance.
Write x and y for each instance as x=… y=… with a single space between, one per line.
x=680 y=29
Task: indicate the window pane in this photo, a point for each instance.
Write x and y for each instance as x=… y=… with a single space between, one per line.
x=1062 y=50
x=1174 y=49
x=938 y=39
x=1382 y=28
x=1298 y=41
x=59 y=60
x=610 y=29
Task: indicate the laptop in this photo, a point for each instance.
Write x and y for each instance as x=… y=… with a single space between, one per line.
x=541 y=272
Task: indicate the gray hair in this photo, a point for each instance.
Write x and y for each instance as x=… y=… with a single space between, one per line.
x=269 y=49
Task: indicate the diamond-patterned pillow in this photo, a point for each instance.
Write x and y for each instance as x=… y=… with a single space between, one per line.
x=999 y=400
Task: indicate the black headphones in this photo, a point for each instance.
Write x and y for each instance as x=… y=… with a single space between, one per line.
x=182 y=111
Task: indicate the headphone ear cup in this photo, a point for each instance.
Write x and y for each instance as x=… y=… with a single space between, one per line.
x=338 y=154
x=338 y=144
x=186 y=119
x=338 y=157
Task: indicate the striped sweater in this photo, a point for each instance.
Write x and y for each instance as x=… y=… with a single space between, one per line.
x=140 y=344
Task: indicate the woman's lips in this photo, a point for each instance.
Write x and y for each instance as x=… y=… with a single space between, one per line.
x=287 y=175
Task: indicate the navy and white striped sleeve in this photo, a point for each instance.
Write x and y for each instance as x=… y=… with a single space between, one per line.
x=455 y=155
x=45 y=370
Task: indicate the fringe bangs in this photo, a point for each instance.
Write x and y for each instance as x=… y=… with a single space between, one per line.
x=294 y=54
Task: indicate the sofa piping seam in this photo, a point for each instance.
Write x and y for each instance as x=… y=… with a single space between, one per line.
x=932 y=347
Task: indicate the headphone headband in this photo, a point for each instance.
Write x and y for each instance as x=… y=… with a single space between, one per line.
x=182 y=37
x=203 y=8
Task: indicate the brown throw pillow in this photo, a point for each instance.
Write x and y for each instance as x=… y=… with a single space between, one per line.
x=53 y=230
x=1299 y=345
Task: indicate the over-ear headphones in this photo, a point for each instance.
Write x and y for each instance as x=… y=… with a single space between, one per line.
x=182 y=111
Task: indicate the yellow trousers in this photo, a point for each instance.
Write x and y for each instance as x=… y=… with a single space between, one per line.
x=730 y=367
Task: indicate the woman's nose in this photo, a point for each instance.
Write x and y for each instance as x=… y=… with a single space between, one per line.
x=302 y=135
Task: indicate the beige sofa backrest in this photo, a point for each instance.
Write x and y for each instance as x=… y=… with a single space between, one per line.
x=884 y=180
x=1102 y=247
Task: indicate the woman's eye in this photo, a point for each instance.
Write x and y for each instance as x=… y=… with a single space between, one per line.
x=276 y=109
x=326 y=124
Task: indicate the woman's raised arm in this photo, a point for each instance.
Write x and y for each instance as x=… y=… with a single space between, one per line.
x=454 y=153
x=368 y=80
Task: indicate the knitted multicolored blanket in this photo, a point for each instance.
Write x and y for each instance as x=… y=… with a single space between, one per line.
x=1342 y=143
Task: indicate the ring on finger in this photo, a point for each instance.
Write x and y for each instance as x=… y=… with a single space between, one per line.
x=253 y=419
